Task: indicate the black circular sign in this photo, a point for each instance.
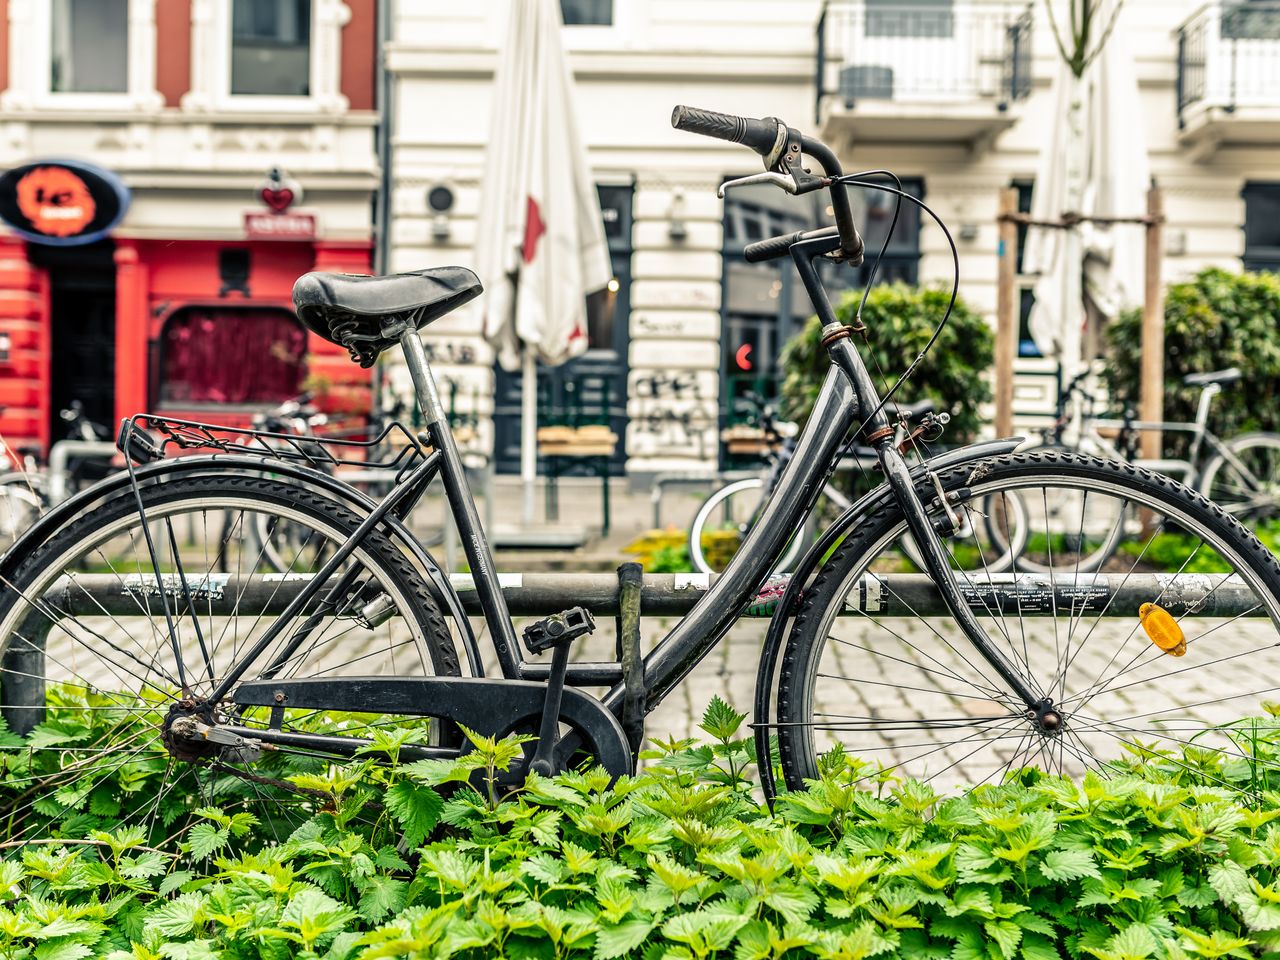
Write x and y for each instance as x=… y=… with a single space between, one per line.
x=62 y=203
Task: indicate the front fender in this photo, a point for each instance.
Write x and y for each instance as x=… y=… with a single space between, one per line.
x=163 y=470
x=809 y=564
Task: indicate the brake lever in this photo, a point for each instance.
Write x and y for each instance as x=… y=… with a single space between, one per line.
x=777 y=179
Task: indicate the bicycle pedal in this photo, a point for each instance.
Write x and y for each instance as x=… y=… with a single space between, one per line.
x=558 y=629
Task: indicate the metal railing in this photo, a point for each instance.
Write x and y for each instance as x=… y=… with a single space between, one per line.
x=1229 y=56
x=923 y=51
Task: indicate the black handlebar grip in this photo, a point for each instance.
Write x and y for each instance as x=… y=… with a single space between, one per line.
x=760 y=135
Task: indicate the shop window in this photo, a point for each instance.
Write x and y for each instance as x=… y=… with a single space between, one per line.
x=1262 y=226
x=873 y=212
x=271 y=48
x=587 y=13
x=231 y=355
x=90 y=46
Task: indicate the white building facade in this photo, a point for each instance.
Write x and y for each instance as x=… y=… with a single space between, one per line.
x=953 y=97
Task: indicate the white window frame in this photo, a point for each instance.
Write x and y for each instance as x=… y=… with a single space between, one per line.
x=211 y=63
x=623 y=32
x=31 y=63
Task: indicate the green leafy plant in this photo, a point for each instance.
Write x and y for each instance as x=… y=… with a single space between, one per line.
x=1218 y=319
x=899 y=321
x=1152 y=858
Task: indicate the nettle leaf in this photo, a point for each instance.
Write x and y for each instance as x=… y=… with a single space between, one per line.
x=178 y=917
x=616 y=940
x=382 y=895
x=11 y=875
x=1229 y=881
x=67 y=950
x=1068 y=865
x=794 y=902
x=1005 y=934
x=173 y=881
x=720 y=720
x=417 y=809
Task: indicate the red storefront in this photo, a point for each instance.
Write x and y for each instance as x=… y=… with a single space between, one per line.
x=189 y=327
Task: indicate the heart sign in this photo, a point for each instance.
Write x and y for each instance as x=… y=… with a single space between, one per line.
x=279 y=199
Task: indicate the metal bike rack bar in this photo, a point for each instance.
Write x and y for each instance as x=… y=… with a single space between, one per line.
x=672 y=595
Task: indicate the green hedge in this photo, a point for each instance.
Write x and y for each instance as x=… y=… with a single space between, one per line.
x=899 y=320
x=1219 y=319
x=681 y=862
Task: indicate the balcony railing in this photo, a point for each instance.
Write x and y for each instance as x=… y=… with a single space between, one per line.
x=1229 y=57
x=927 y=51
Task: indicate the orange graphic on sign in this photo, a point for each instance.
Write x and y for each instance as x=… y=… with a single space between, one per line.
x=56 y=201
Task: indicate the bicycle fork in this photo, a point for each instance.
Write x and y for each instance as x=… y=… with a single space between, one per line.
x=936 y=559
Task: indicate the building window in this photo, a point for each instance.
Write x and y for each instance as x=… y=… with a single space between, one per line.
x=271 y=48
x=587 y=13
x=1262 y=226
x=1026 y=285
x=231 y=355
x=873 y=212
x=1250 y=20
x=917 y=19
x=90 y=46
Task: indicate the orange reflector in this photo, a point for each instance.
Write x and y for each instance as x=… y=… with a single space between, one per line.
x=1162 y=629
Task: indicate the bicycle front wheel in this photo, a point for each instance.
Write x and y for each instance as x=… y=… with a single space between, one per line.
x=1139 y=668
x=103 y=650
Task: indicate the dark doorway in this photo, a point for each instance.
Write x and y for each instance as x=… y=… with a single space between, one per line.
x=592 y=388
x=82 y=308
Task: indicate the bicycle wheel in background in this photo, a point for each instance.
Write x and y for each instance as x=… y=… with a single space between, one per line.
x=873 y=667
x=1246 y=483
x=723 y=522
x=22 y=502
x=86 y=653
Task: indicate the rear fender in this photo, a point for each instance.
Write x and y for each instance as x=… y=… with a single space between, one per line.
x=809 y=564
x=163 y=470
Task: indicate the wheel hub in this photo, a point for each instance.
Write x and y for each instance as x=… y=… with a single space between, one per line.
x=1046 y=718
x=178 y=730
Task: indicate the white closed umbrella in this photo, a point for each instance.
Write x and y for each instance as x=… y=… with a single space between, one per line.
x=1094 y=164
x=540 y=247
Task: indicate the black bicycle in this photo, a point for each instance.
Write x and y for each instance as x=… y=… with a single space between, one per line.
x=254 y=683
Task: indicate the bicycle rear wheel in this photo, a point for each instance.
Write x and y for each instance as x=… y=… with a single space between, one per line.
x=99 y=656
x=875 y=668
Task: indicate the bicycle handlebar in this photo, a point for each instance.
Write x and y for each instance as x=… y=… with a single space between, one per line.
x=781 y=148
x=776 y=247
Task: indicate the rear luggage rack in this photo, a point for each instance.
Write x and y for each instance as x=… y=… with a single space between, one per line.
x=145 y=438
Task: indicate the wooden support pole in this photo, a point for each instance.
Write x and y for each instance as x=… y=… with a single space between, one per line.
x=1006 y=311
x=1151 y=402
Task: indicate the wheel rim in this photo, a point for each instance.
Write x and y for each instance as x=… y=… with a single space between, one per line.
x=926 y=707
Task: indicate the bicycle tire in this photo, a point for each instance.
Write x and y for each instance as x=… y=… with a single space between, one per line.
x=896 y=684
x=751 y=487
x=1216 y=479
x=94 y=660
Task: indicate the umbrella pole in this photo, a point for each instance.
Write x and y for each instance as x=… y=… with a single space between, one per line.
x=529 y=432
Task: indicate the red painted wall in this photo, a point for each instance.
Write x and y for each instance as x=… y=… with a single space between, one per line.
x=359 y=54
x=24 y=377
x=173 y=49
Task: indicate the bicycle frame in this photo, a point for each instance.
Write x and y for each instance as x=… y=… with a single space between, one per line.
x=847 y=395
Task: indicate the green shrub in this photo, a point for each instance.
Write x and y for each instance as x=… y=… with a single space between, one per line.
x=899 y=320
x=681 y=862
x=1219 y=319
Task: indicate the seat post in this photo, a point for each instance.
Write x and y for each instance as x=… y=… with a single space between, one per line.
x=475 y=545
x=424 y=384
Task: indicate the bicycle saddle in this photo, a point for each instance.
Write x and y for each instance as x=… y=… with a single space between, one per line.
x=350 y=309
x=1229 y=375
